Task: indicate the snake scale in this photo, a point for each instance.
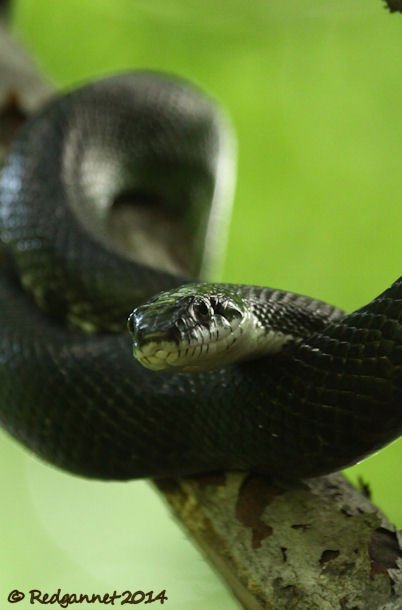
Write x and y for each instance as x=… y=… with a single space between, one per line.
x=70 y=389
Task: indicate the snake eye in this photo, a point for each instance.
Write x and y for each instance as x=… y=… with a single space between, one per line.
x=201 y=310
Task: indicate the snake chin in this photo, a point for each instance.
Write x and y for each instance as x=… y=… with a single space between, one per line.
x=156 y=355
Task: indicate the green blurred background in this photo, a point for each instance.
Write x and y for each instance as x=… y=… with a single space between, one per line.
x=314 y=91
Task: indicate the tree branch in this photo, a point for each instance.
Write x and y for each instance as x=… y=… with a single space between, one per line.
x=320 y=546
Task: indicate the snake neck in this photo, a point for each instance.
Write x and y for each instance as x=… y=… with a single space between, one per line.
x=270 y=325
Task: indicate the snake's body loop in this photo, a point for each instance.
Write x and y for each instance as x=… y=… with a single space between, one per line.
x=79 y=399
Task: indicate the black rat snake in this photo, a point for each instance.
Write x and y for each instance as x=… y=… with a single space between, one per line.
x=78 y=398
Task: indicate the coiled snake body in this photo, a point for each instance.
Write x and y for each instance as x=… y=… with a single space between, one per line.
x=78 y=399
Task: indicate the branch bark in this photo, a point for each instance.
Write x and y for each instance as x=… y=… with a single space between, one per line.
x=319 y=546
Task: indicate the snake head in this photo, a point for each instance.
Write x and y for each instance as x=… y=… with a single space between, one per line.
x=188 y=329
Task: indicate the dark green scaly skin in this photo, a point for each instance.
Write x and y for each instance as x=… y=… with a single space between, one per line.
x=82 y=402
